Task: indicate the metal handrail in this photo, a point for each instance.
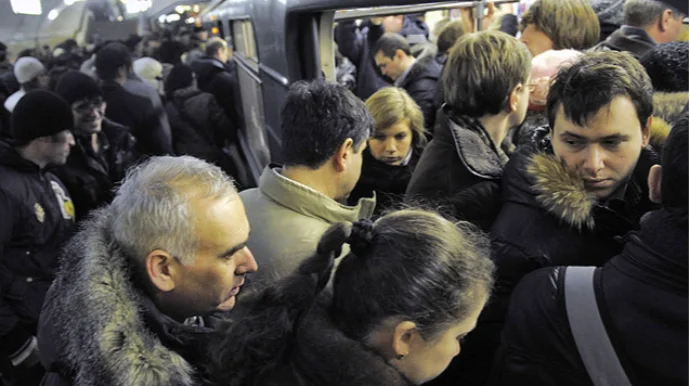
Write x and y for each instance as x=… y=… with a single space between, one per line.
x=358 y=13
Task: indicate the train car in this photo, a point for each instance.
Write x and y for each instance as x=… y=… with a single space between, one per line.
x=278 y=42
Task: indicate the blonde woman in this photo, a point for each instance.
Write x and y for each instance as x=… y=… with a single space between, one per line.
x=393 y=148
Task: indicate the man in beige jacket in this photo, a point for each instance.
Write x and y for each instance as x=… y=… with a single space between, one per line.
x=325 y=128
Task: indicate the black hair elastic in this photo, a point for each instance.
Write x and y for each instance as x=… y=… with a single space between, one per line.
x=361 y=237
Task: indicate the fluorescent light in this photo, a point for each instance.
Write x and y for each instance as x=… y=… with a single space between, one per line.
x=173 y=17
x=26 y=7
x=53 y=14
x=136 y=6
x=190 y=20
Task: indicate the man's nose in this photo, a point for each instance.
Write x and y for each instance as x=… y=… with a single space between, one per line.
x=594 y=159
x=248 y=265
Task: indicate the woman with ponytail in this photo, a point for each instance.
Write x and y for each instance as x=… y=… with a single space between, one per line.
x=401 y=301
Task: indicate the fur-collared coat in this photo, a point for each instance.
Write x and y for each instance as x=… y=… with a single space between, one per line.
x=97 y=328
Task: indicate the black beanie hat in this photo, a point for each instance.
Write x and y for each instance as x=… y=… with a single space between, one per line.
x=40 y=113
x=74 y=86
x=181 y=76
x=667 y=66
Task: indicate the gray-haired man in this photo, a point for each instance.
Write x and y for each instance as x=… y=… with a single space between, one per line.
x=131 y=303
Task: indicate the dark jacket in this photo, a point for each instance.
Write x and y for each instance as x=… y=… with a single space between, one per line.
x=36 y=218
x=220 y=80
x=626 y=38
x=324 y=356
x=138 y=114
x=98 y=328
x=461 y=169
x=356 y=45
x=388 y=181
x=643 y=297
x=200 y=127
x=420 y=82
x=90 y=177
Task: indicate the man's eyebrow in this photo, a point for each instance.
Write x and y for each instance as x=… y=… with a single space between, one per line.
x=573 y=135
x=616 y=137
x=233 y=250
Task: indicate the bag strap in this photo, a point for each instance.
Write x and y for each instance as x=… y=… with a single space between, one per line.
x=591 y=338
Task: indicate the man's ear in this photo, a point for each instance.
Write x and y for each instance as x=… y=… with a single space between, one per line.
x=405 y=337
x=514 y=98
x=654 y=183
x=646 y=132
x=343 y=154
x=665 y=19
x=162 y=270
x=400 y=54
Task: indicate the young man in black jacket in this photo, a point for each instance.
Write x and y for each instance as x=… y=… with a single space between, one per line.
x=642 y=297
x=36 y=218
x=104 y=150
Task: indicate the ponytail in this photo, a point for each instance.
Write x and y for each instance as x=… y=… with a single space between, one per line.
x=263 y=339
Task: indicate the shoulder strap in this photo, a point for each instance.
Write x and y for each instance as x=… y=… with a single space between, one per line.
x=589 y=331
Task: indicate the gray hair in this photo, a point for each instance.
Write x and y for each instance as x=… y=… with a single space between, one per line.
x=641 y=13
x=152 y=210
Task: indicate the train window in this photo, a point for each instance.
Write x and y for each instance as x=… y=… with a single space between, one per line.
x=476 y=15
x=245 y=44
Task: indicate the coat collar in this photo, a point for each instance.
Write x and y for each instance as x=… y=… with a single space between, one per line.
x=308 y=202
x=111 y=334
x=325 y=355
x=475 y=147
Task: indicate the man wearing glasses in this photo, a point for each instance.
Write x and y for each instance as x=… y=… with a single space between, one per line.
x=104 y=149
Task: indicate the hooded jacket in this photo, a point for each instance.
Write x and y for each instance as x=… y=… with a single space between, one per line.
x=356 y=45
x=98 y=328
x=36 y=218
x=460 y=168
x=324 y=356
x=288 y=219
x=90 y=177
x=420 y=82
x=200 y=127
x=220 y=80
x=643 y=298
x=627 y=38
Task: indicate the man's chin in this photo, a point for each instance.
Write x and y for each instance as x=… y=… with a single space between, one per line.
x=227 y=305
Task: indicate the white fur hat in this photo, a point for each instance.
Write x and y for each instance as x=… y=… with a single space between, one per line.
x=27 y=68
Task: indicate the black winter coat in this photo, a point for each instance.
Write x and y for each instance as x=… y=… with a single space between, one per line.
x=200 y=127
x=89 y=177
x=356 y=45
x=36 y=218
x=643 y=297
x=136 y=113
x=220 y=80
x=420 y=82
x=388 y=181
x=324 y=356
x=628 y=39
x=460 y=169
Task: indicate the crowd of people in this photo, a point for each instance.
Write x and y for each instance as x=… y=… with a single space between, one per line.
x=523 y=200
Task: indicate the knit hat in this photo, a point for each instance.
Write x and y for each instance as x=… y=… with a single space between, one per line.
x=27 y=68
x=181 y=76
x=667 y=66
x=74 y=86
x=40 y=113
x=110 y=58
x=148 y=70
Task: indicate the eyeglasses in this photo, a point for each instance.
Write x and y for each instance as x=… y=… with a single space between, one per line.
x=86 y=106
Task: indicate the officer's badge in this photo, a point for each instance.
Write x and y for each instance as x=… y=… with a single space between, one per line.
x=40 y=213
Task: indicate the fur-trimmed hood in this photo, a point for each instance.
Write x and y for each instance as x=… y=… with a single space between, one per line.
x=535 y=177
x=100 y=328
x=668 y=108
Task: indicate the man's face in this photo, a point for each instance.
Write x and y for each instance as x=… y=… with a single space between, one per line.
x=55 y=149
x=213 y=281
x=43 y=81
x=223 y=55
x=88 y=115
x=391 y=67
x=673 y=28
x=535 y=40
x=605 y=152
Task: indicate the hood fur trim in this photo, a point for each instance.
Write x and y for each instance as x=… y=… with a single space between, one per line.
x=99 y=316
x=561 y=191
x=658 y=132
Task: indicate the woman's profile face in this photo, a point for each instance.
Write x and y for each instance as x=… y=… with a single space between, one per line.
x=427 y=359
x=392 y=145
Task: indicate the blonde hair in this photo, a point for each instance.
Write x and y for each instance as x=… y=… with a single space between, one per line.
x=391 y=105
x=568 y=23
